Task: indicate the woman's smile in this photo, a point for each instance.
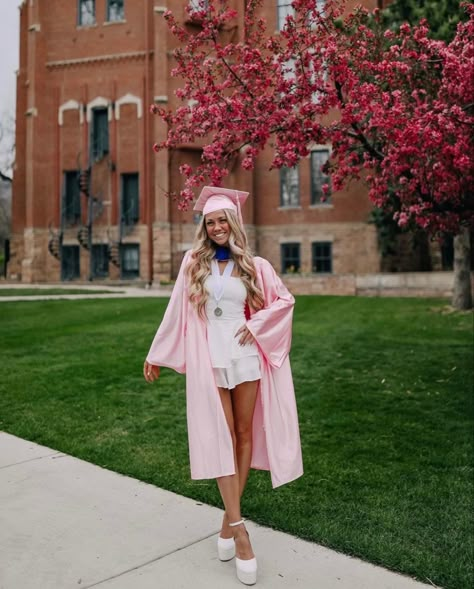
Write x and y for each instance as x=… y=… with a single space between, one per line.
x=220 y=236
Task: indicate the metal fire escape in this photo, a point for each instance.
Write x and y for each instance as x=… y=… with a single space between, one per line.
x=92 y=182
x=69 y=217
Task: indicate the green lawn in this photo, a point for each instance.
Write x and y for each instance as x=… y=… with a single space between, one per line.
x=384 y=390
x=29 y=292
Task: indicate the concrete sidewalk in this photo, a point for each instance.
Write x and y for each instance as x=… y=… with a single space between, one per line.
x=116 y=292
x=68 y=524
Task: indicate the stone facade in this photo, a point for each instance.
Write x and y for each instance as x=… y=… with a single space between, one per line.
x=401 y=284
x=72 y=72
x=354 y=247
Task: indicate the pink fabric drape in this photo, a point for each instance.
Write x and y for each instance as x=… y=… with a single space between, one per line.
x=181 y=343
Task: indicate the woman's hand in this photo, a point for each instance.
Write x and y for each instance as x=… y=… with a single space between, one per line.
x=246 y=336
x=150 y=371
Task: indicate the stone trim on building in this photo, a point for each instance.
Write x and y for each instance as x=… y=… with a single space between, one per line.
x=97 y=59
x=99 y=101
x=70 y=105
x=129 y=99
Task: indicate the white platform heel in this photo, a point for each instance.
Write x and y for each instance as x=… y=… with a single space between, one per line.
x=246 y=569
x=225 y=548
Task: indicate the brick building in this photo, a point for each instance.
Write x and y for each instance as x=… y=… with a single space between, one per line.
x=88 y=71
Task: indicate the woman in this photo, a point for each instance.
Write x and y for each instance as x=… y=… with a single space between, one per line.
x=228 y=326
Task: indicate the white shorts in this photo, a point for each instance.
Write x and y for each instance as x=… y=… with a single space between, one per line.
x=241 y=370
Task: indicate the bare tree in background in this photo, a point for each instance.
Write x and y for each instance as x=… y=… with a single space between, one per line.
x=7 y=144
x=7 y=159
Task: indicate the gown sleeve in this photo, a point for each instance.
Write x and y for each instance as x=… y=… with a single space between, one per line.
x=169 y=347
x=271 y=326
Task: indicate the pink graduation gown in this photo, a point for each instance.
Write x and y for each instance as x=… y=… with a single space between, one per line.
x=181 y=343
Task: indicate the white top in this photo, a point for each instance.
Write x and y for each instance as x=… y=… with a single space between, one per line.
x=223 y=345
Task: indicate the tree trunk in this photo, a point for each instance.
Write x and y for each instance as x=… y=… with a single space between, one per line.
x=462 y=293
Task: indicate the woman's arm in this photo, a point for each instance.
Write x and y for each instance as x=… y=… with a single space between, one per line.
x=168 y=347
x=271 y=326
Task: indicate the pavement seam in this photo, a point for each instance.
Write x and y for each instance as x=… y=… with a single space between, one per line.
x=31 y=459
x=144 y=564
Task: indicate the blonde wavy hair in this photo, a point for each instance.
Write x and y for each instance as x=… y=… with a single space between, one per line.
x=202 y=253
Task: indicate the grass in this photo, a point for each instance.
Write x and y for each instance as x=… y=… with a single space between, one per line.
x=29 y=292
x=384 y=389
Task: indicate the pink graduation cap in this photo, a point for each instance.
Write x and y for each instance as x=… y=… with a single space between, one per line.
x=213 y=199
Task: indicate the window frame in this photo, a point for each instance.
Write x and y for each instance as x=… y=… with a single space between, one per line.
x=71 y=203
x=124 y=272
x=284 y=259
x=80 y=22
x=325 y=178
x=97 y=150
x=76 y=263
x=328 y=258
x=284 y=9
x=109 y=20
x=104 y=256
x=284 y=171
x=126 y=212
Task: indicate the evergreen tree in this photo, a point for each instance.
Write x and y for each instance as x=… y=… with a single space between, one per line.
x=442 y=15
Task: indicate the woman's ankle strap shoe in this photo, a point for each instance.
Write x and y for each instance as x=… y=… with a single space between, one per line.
x=236 y=523
x=246 y=571
x=225 y=548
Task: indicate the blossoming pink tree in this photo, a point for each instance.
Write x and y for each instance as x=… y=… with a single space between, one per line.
x=398 y=108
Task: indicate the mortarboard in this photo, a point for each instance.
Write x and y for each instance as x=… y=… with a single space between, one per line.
x=213 y=198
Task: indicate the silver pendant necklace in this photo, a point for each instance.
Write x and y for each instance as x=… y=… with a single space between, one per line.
x=219 y=282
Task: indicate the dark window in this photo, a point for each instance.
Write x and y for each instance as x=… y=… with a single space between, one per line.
x=86 y=16
x=70 y=262
x=100 y=133
x=130 y=260
x=319 y=158
x=71 y=201
x=115 y=10
x=100 y=260
x=130 y=199
x=289 y=187
x=290 y=257
x=322 y=257
x=447 y=253
x=284 y=9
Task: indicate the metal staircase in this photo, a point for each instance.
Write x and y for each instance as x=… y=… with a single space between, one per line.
x=92 y=184
x=55 y=243
x=114 y=252
x=84 y=237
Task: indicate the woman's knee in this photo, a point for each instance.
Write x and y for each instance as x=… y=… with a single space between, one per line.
x=243 y=434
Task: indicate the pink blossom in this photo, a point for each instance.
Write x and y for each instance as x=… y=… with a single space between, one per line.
x=401 y=105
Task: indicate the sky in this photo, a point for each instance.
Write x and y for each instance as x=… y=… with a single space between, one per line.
x=9 y=25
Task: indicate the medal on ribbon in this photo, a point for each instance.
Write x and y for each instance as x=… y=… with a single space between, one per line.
x=219 y=282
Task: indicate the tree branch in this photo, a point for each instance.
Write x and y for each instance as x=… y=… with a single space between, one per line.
x=358 y=133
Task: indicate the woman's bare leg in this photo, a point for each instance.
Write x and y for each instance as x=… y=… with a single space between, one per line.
x=229 y=485
x=244 y=397
x=238 y=410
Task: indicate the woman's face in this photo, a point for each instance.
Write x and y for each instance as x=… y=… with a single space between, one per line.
x=217 y=227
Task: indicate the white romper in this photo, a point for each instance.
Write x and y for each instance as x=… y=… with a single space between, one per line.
x=232 y=363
